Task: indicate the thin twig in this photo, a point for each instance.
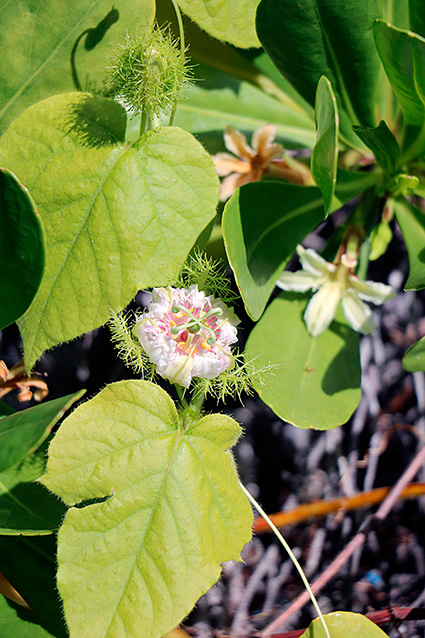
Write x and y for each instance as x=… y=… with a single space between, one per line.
x=348 y=551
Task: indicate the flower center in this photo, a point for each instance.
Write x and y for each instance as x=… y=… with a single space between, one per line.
x=203 y=323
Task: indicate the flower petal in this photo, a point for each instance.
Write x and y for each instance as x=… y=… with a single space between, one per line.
x=372 y=291
x=226 y=163
x=231 y=183
x=321 y=308
x=262 y=139
x=358 y=313
x=313 y=262
x=236 y=143
x=300 y=281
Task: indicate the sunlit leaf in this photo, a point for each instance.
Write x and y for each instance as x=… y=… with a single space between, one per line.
x=138 y=561
x=50 y=46
x=341 y=624
x=226 y=20
x=118 y=217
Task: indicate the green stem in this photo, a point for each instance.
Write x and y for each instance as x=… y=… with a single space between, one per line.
x=291 y=555
x=182 y=50
x=197 y=401
x=180 y=394
x=143 y=122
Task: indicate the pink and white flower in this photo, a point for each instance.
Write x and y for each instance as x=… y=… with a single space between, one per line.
x=186 y=334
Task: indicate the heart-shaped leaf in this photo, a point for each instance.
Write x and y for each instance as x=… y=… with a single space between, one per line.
x=56 y=46
x=22 y=249
x=118 y=217
x=324 y=158
x=341 y=624
x=23 y=432
x=226 y=20
x=138 y=561
x=322 y=37
x=412 y=223
x=317 y=380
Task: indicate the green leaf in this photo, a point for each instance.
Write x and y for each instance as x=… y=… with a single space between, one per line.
x=416 y=17
x=218 y=101
x=341 y=624
x=23 y=432
x=29 y=564
x=324 y=158
x=22 y=249
x=324 y=37
x=117 y=217
x=414 y=358
x=17 y=621
x=138 y=561
x=262 y=225
x=38 y=39
x=403 y=57
x=28 y=508
x=317 y=381
x=260 y=239
x=382 y=143
x=226 y=20
x=412 y=223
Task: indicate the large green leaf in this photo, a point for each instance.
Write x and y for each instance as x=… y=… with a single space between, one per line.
x=23 y=432
x=22 y=249
x=324 y=158
x=326 y=37
x=29 y=564
x=262 y=225
x=226 y=20
x=28 y=508
x=118 y=217
x=341 y=624
x=219 y=101
x=412 y=223
x=317 y=380
x=37 y=40
x=382 y=143
x=403 y=57
x=137 y=562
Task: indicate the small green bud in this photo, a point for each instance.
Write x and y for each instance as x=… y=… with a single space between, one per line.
x=149 y=73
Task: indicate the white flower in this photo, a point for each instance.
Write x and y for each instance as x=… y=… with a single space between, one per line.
x=187 y=334
x=334 y=282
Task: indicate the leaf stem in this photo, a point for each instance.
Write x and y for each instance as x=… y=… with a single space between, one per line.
x=182 y=50
x=180 y=394
x=291 y=556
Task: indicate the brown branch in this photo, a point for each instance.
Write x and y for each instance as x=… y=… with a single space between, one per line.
x=354 y=544
x=323 y=508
